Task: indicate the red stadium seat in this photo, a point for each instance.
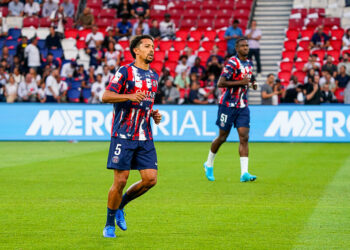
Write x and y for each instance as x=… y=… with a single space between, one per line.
x=45 y=22
x=179 y=45
x=183 y=34
x=304 y=44
x=320 y=11
x=241 y=13
x=127 y=56
x=208 y=13
x=222 y=45
x=83 y=33
x=286 y=66
x=81 y=44
x=173 y=55
x=243 y=23
x=108 y=13
x=334 y=53
x=175 y=13
x=303 y=12
x=244 y=4
x=165 y=45
x=320 y=53
x=157 y=14
x=193 y=45
x=296 y=23
x=157 y=66
x=208 y=45
x=300 y=75
x=31 y=21
x=290 y=45
x=104 y=22
x=307 y=33
x=292 y=34
x=314 y=22
x=331 y=21
x=299 y=65
x=221 y=34
x=170 y=65
x=210 y=34
x=336 y=44
x=188 y=23
x=284 y=75
x=69 y=23
x=227 y=4
x=339 y=94
x=203 y=55
x=196 y=5
x=345 y=51
x=288 y=54
x=224 y=13
x=303 y=55
x=124 y=43
x=4 y=11
x=337 y=33
x=204 y=23
x=196 y=34
x=71 y=33
x=190 y=14
x=95 y=12
x=160 y=2
x=95 y=4
x=210 y=4
x=159 y=56
x=221 y=22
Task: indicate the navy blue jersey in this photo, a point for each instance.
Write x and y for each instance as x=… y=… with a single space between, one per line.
x=132 y=120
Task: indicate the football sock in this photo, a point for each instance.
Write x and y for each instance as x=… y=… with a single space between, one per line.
x=244 y=165
x=210 y=160
x=110 y=217
x=125 y=200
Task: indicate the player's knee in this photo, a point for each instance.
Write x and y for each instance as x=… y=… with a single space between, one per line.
x=120 y=182
x=150 y=182
x=244 y=138
x=222 y=139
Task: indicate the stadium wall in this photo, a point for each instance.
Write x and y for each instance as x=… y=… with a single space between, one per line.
x=40 y=122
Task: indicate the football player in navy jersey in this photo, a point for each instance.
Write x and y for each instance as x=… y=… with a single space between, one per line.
x=132 y=91
x=236 y=78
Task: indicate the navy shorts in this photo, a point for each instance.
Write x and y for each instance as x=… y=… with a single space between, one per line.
x=239 y=117
x=128 y=154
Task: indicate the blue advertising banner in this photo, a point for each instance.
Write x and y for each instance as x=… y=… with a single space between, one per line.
x=325 y=123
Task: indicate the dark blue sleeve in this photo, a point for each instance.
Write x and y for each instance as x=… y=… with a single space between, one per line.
x=118 y=81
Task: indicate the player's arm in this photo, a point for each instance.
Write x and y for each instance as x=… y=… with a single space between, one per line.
x=113 y=97
x=224 y=83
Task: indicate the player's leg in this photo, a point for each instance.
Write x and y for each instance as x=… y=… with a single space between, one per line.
x=243 y=133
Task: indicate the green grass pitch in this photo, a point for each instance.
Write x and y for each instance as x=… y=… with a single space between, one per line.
x=53 y=196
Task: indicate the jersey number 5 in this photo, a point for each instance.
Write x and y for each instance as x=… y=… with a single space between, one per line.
x=223 y=118
x=118 y=149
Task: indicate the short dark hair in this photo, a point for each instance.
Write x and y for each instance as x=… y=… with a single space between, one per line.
x=240 y=40
x=271 y=74
x=136 y=41
x=236 y=21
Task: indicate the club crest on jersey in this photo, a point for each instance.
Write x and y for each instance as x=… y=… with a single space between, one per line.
x=154 y=83
x=115 y=159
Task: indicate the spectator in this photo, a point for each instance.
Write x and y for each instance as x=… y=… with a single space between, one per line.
x=41 y=94
x=231 y=35
x=165 y=75
x=214 y=67
x=182 y=66
x=141 y=24
x=3 y=80
x=327 y=96
x=16 y=63
x=94 y=38
x=310 y=76
x=345 y=62
x=68 y=69
x=346 y=40
x=312 y=92
x=197 y=95
x=50 y=62
x=330 y=67
x=35 y=76
x=342 y=79
x=154 y=30
x=6 y=56
x=68 y=8
x=3 y=28
x=109 y=38
x=106 y=75
x=140 y=8
x=124 y=9
x=86 y=19
x=27 y=90
x=167 y=27
x=278 y=88
x=31 y=8
x=112 y=57
x=32 y=54
x=191 y=57
x=312 y=64
x=267 y=90
x=58 y=19
x=294 y=95
x=17 y=76
x=210 y=88
x=124 y=27
x=52 y=87
x=182 y=81
x=16 y=8
x=347 y=94
x=20 y=49
x=254 y=35
x=198 y=69
x=11 y=90
x=97 y=89
x=63 y=88
x=319 y=39
x=80 y=73
x=49 y=7
x=171 y=93
x=96 y=55
x=327 y=79
x=53 y=40
x=214 y=52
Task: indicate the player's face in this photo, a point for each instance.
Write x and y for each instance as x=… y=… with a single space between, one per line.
x=146 y=51
x=243 y=48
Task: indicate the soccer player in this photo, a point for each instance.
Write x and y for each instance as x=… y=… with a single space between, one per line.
x=132 y=91
x=236 y=77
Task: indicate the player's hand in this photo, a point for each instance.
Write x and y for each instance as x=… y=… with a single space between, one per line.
x=157 y=117
x=245 y=80
x=254 y=86
x=137 y=97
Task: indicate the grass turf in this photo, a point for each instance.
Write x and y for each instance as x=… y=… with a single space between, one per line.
x=53 y=196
